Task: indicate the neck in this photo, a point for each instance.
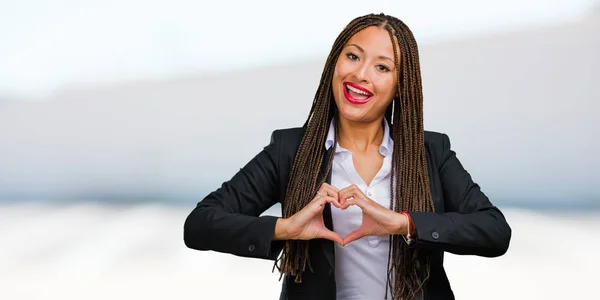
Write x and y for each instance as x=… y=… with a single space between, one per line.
x=360 y=136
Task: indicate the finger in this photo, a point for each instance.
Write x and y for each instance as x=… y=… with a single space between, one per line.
x=348 y=188
x=331 y=191
x=347 y=202
x=328 y=190
x=333 y=236
x=327 y=199
x=355 y=196
x=343 y=196
x=327 y=186
x=333 y=201
x=353 y=236
x=313 y=208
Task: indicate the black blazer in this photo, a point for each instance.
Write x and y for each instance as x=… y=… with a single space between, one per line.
x=228 y=221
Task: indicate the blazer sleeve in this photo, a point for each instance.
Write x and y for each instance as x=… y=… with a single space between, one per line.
x=471 y=224
x=228 y=219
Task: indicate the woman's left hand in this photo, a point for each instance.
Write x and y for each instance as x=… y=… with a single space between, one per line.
x=376 y=219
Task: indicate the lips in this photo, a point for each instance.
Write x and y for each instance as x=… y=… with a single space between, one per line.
x=356 y=94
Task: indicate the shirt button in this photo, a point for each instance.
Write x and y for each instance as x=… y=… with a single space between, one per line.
x=369 y=194
x=251 y=248
x=374 y=241
x=435 y=235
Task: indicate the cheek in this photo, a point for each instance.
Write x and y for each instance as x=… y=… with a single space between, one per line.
x=335 y=79
x=339 y=73
x=341 y=70
x=386 y=88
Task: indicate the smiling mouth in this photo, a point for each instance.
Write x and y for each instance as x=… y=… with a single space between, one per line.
x=356 y=94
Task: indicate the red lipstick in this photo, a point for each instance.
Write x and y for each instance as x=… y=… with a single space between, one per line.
x=363 y=95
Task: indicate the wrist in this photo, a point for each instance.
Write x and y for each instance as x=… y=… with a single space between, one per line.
x=280 y=232
x=402 y=222
x=409 y=226
x=409 y=230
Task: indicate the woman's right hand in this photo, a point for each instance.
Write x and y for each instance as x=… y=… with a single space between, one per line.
x=308 y=224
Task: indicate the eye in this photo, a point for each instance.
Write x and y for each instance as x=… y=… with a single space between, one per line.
x=351 y=56
x=383 y=68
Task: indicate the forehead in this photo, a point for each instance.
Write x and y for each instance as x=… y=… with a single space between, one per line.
x=375 y=41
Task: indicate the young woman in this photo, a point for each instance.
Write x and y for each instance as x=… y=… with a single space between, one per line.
x=370 y=200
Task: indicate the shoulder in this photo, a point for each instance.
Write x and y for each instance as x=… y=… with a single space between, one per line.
x=437 y=145
x=435 y=139
x=287 y=139
x=288 y=134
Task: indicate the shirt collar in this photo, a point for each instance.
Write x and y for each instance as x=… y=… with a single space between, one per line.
x=387 y=144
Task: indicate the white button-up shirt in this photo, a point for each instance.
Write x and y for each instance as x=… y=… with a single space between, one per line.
x=361 y=266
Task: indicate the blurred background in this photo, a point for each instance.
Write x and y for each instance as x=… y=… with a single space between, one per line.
x=117 y=117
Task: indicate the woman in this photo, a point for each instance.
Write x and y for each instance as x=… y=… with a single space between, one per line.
x=370 y=200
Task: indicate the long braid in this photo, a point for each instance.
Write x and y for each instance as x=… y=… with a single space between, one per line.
x=412 y=190
x=409 y=183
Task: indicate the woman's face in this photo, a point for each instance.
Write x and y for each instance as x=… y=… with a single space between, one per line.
x=364 y=82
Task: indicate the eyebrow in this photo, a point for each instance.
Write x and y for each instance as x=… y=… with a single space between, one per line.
x=362 y=50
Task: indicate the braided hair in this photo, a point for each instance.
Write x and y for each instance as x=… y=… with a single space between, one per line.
x=409 y=181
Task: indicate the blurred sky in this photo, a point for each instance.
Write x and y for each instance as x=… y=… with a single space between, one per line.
x=45 y=45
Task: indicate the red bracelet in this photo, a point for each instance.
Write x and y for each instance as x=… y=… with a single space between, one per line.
x=411 y=225
x=411 y=228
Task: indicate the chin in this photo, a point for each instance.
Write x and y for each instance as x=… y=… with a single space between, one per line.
x=356 y=113
x=352 y=113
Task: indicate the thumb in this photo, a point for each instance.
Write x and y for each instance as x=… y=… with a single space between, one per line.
x=333 y=236
x=354 y=235
x=313 y=208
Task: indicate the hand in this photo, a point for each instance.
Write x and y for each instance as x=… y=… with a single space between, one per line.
x=376 y=219
x=308 y=223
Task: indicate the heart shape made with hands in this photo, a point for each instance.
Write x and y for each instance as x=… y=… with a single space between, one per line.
x=376 y=219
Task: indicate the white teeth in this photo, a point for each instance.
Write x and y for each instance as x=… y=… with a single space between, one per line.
x=357 y=90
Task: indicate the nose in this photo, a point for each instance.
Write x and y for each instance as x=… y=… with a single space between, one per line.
x=361 y=72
